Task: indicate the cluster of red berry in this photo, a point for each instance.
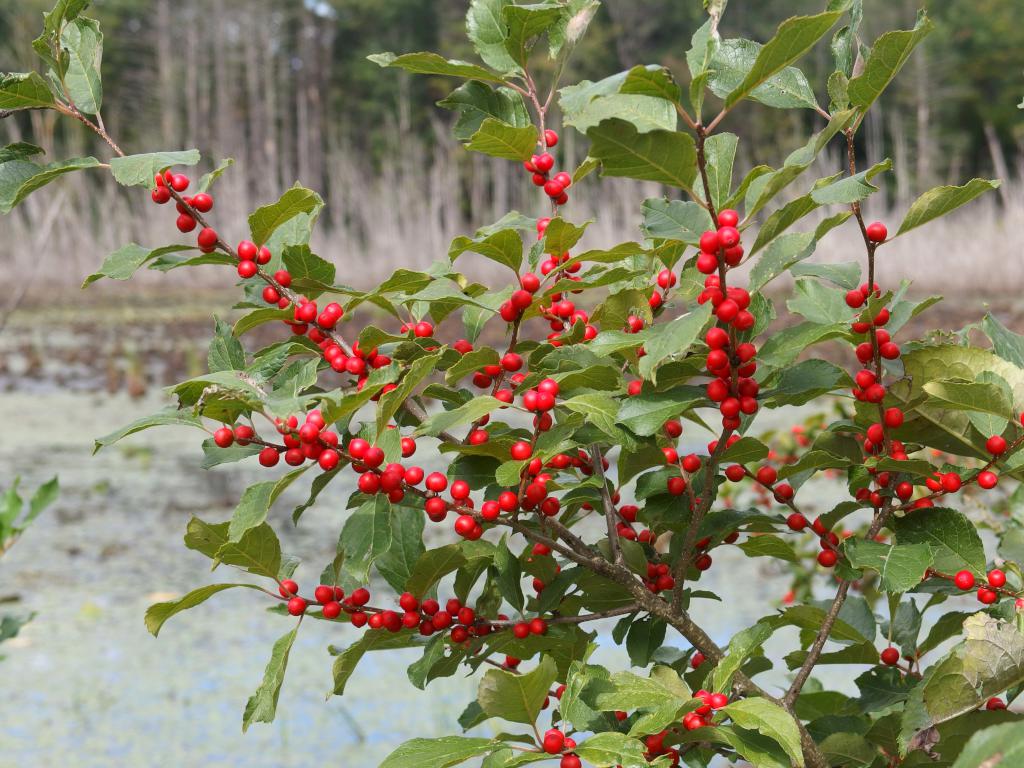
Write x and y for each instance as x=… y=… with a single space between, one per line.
x=540 y=167
x=425 y=616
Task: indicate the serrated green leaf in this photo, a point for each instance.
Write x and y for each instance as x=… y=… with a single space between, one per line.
x=426 y=63
x=264 y=221
x=499 y=139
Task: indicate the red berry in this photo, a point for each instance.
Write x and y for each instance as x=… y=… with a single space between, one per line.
x=890 y=656
x=996 y=578
x=827 y=558
x=964 y=580
x=987 y=596
x=877 y=232
x=996 y=445
x=796 y=521
x=202 y=202
x=520 y=450
x=697 y=659
x=288 y=588
x=269 y=457
x=247 y=250
x=185 y=223
x=893 y=418
x=296 y=606
x=550 y=138
x=728 y=218
x=224 y=437
x=988 y=480
x=332 y=610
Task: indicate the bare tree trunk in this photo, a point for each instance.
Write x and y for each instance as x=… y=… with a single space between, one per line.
x=1002 y=170
x=924 y=136
x=165 y=71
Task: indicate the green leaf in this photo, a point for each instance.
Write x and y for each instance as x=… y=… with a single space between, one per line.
x=792 y=40
x=941 y=200
x=645 y=637
x=24 y=90
x=509 y=574
x=432 y=566
x=576 y=17
x=604 y=750
x=561 y=235
x=525 y=23
x=653 y=81
x=850 y=189
x=644 y=113
x=347 y=660
x=465 y=414
x=645 y=414
x=366 y=535
x=258 y=551
x=123 y=263
x=888 y=55
x=769 y=545
x=667 y=157
x=166 y=417
x=438 y=753
x=83 y=41
x=256 y=502
x=732 y=64
x=806 y=381
x=262 y=705
x=769 y=719
x=20 y=178
x=1005 y=343
x=504 y=247
x=158 y=613
x=298 y=200
x=720 y=150
x=141 y=170
x=675 y=220
x=997 y=745
x=990 y=660
x=952 y=536
x=499 y=139
x=979 y=396
x=486 y=29
x=475 y=102
x=516 y=698
x=783 y=253
x=672 y=339
x=208 y=178
x=226 y=352
x=900 y=567
x=741 y=647
x=389 y=403
x=406 y=547
x=425 y=63
x=818 y=303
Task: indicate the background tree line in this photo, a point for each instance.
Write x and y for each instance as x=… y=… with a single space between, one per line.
x=283 y=86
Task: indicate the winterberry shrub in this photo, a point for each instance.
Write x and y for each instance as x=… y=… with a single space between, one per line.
x=577 y=485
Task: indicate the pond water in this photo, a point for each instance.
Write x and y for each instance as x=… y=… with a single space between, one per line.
x=85 y=685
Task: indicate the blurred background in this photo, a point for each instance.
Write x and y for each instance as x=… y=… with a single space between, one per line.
x=283 y=87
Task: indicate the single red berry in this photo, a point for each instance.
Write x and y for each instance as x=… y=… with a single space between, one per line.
x=893 y=417
x=964 y=580
x=247 y=250
x=332 y=610
x=185 y=223
x=288 y=588
x=550 y=138
x=269 y=457
x=554 y=741
x=996 y=578
x=728 y=218
x=224 y=437
x=718 y=700
x=877 y=232
x=827 y=558
x=697 y=659
x=988 y=480
x=995 y=703
x=796 y=521
x=890 y=656
x=202 y=202
x=996 y=445
x=296 y=606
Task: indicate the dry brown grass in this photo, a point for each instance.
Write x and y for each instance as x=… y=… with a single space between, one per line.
x=405 y=213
